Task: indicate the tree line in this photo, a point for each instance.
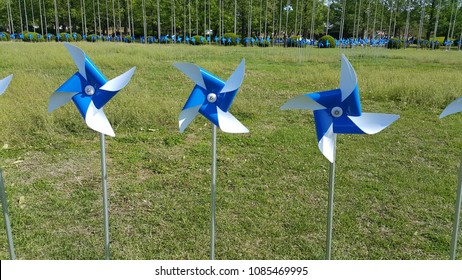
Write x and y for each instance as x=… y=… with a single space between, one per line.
x=423 y=19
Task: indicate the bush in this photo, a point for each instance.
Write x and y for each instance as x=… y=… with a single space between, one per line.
x=394 y=43
x=93 y=38
x=128 y=39
x=4 y=36
x=326 y=41
x=196 y=40
x=33 y=37
x=233 y=37
x=50 y=37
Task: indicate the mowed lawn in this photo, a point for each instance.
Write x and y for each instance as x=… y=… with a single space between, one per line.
x=395 y=191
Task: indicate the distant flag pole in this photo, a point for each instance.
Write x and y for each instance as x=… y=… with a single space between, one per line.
x=452 y=108
x=89 y=89
x=338 y=111
x=212 y=98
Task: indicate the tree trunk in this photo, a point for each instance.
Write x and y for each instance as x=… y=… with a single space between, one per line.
x=56 y=19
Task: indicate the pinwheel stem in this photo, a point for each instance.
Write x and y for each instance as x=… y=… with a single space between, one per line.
x=457 y=216
x=105 y=198
x=6 y=218
x=214 y=189
x=330 y=203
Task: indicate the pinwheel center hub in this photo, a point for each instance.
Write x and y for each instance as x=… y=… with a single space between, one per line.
x=336 y=112
x=212 y=97
x=89 y=90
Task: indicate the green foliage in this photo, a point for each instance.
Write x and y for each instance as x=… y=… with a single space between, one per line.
x=263 y=43
x=5 y=37
x=33 y=37
x=198 y=40
x=233 y=38
x=327 y=38
x=394 y=43
x=95 y=38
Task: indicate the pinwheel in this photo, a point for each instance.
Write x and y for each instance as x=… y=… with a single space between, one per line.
x=3 y=85
x=212 y=98
x=90 y=91
x=455 y=107
x=338 y=111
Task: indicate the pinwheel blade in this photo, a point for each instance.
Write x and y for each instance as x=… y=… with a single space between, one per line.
x=454 y=107
x=58 y=99
x=372 y=123
x=327 y=144
x=325 y=133
x=193 y=72
x=235 y=80
x=4 y=83
x=187 y=116
x=348 y=79
x=302 y=102
x=228 y=123
x=119 y=82
x=97 y=120
x=79 y=58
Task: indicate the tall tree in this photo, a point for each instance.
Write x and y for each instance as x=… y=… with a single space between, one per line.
x=56 y=19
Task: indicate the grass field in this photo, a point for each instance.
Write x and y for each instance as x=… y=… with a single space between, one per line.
x=395 y=191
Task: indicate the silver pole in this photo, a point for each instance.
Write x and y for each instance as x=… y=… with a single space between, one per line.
x=457 y=216
x=214 y=189
x=6 y=218
x=105 y=199
x=330 y=204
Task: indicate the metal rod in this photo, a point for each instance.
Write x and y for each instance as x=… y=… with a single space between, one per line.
x=6 y=218
x=330 y=204
x=457 y=215
x=105 y=198
x=214 y=189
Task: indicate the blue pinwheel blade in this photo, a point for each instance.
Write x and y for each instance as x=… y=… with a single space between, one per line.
x=79 y=58
x=454 y=107
x=348 y=79
x=325 y=133
x=371 y=123
x=4 y=83
x=193 y=72
x=97 y=120
x=66 y=91
x=192 y=106
x=111 y=88
x=235 y=80
x=228 y=123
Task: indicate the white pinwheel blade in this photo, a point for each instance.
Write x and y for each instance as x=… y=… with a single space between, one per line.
x=79 y=58
x=348 y=79
x=4 y=83
x=193 y=72
x=97 y=120
x=228 y=123
x=58 y=99
x=302 y=102
x=327 y=144
x=187 y=116
x=119 y=82
x=235 y=80
x=372 y=123
x=454 y=107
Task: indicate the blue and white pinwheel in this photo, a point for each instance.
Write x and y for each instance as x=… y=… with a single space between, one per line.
x=4 y=83
x=212 y=97
x=89 y=90
x=339 y=111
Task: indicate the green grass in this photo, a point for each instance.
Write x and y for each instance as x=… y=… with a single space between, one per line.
x=395 y=191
